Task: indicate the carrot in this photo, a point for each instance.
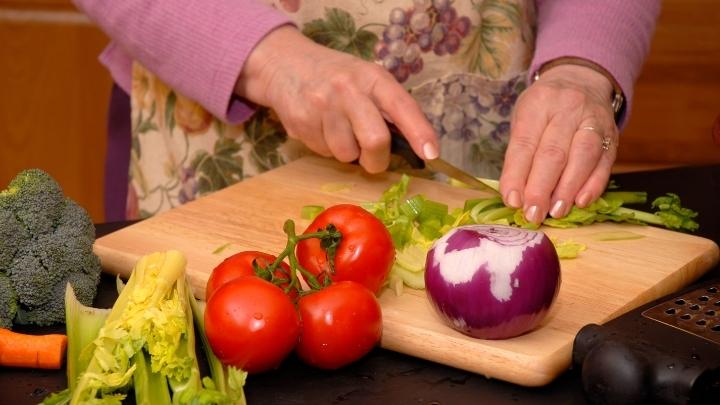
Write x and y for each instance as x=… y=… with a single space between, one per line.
x=34 y=351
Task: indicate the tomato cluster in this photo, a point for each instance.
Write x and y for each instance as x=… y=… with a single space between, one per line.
x=256 y=313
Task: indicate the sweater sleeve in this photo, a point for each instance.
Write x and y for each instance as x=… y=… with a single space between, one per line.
x=614 y=34
x=198 y=47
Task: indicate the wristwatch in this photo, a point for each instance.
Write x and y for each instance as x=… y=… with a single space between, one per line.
x=617 y=99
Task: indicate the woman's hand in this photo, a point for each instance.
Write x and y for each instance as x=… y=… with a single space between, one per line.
x=333 y=102
x=556 y=156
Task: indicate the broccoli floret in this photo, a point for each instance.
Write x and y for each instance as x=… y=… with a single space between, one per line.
x=35 y=198
x=53 y=310
x=8 y=302
x=13 y=235
x=45 y=248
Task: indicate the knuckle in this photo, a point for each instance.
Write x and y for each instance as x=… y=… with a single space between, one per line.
x=298 y=117
x=522 y=143
x=587 y=146
x=373 y=143
x=316 y=98
x=553 y=154
x=341 y=82
x=375 y=70
x=543 y=94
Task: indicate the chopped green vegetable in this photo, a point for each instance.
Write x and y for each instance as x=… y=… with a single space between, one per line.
x=415 y=222
x=221 y=248
x=336 y=187
x=568 y=249
x=616 y=235
x=412 y=257
x=409 y=278
x=309 y=212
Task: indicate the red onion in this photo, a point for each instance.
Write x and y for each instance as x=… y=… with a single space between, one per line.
x=492 y=282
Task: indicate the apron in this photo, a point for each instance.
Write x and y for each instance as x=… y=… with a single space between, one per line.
x=465 y=63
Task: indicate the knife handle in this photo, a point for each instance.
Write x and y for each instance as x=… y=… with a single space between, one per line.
x=400 y=146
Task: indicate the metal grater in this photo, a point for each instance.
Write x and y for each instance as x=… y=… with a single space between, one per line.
x=666 y=352
x=696 y=312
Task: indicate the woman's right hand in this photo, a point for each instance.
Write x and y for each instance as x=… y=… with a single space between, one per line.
x=333 y=102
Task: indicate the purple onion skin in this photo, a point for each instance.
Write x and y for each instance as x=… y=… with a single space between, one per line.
x=527 y=281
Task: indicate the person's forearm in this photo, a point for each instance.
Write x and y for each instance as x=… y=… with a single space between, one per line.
x=198 y=47
x=614 y=34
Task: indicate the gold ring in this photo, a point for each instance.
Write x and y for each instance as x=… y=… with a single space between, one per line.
x=606 y=141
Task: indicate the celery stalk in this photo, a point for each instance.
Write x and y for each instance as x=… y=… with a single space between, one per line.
x=228 y=380
x=151 y=388
x=82 y=326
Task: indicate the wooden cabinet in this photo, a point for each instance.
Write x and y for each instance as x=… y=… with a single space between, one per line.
x=678 y=92
x=53 y=97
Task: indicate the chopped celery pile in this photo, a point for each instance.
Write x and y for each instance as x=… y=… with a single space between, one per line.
x=415 y=222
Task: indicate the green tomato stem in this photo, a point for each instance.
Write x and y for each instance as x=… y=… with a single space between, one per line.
x=289 y=253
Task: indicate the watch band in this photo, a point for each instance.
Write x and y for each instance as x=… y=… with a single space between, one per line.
x=617 y=100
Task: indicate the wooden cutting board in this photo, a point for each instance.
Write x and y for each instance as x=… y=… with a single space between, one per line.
x=606 y=280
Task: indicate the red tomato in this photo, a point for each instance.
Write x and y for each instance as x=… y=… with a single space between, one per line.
x=365 y=253
x=240 y=264
x=251 y=324
x=340 y=324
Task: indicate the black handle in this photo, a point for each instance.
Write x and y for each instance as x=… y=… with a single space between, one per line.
x=400 y=146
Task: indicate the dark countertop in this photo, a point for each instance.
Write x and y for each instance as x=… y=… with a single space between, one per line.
x=395 y=378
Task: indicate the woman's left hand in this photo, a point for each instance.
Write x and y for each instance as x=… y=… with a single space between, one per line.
x=563 y=142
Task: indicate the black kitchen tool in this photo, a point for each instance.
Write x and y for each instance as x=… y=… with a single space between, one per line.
x=401 y=147
x=666 y=352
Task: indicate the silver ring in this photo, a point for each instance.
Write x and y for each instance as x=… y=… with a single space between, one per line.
x=606 y=141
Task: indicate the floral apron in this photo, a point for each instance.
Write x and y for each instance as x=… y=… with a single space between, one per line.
x=463 y=61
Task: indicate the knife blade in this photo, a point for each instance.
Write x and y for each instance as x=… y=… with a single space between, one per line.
x=400 y=146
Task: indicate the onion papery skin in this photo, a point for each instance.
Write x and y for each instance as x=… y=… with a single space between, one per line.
x=492 y=281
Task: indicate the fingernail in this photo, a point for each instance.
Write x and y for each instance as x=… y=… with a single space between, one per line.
x=430 y=151
x=532 y=214
x=584 y=200
x=558 y=209
x=513 y=199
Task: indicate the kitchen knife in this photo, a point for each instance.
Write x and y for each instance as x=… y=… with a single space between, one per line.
x=400 y=146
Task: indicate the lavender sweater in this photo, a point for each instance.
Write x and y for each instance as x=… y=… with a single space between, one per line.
x=198 y=47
